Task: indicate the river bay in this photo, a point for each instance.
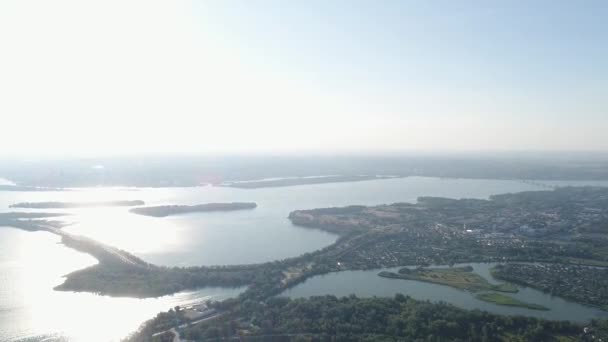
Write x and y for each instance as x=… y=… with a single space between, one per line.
x=31 y=264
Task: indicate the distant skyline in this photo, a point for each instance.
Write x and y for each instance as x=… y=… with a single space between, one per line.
x=85 y=78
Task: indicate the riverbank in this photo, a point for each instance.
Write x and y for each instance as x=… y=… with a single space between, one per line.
x=119 y=273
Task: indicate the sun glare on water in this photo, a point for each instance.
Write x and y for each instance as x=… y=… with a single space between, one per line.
x=39 y=263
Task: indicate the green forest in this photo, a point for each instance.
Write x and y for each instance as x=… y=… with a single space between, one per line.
x=328 y=318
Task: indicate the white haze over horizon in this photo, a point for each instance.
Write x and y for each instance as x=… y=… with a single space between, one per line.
x=85 y=78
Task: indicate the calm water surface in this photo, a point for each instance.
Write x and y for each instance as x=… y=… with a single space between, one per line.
x=31 y=264
x=368 y=284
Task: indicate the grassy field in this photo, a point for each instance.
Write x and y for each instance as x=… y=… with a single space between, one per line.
x=458 y=277
x=500 y=299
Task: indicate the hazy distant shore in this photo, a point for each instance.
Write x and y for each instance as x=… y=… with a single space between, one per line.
x=62 y=205
x=190 y=171
x=168 y=210
x=9 y=187
x=282 y=182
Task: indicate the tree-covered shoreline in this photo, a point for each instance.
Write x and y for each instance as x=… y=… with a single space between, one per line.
x=328 y=318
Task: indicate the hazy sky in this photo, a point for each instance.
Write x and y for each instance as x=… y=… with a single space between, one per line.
x=102 y=77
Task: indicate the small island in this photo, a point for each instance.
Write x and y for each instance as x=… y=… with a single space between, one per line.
x=168 y=210
x=500 y=299
x=63 y=205
x=461 y=278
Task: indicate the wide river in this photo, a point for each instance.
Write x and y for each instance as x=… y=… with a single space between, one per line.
x=31 y=264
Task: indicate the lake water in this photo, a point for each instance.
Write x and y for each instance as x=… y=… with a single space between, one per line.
x=239 y=237
x=368 y=284
x=31 y=264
